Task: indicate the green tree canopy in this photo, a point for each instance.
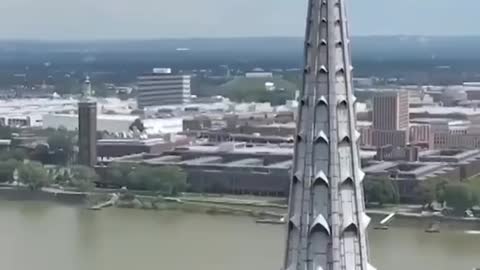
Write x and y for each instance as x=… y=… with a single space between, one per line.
x=61 y=144
x=6 y=132
x=33 y=174
x=381 y=191
x=83 y=178
x=119 y=174
x=174 y=179
x=432 y=190
x=261 y=95
x=62 y=177
x=166 y=180
x=16 y=154
x=460 y=196
x=7 y=168
x=40 y=154
x=138 y=125
x=475 y=185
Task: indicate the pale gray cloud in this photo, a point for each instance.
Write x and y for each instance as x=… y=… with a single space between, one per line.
x=87 y=19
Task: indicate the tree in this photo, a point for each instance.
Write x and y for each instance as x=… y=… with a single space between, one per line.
x=6 y=133
x=475 y=188
x=167 y=180
x=83 y=178
x=61 y=144
x=381 y=191
x=119 y=174
x=34 y=175
x=432 y=190
x=62 y=178
x=141 y=177
x=16 y=154
x=174 y=178
x=41 y=154
x=7 y=168
x=137 y=125
x=460 y=197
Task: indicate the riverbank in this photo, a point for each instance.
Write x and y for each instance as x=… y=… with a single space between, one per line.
x=263 y=209
x=274 y=210
x=50 y=195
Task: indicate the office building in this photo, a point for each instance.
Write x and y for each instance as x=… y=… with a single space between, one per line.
x=397 y=138
x=421 y=135
x=161 y=87
x=390 y=119
x=391 y=111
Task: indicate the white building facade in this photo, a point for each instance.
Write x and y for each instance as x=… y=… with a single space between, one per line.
x=161 y=87
x=115 y=123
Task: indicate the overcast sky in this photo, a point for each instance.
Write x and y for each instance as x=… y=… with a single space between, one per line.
x=107 y=19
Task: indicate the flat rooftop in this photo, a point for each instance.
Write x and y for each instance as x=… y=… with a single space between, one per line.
x=152 y=141
x=408 y=170
x=450 y=155
x=439 y=121
x=278 y=125
x=100 y=116
x=438 y=110
x=247 y=149
x=41 y=106
x=256 y=149
x=364 y=123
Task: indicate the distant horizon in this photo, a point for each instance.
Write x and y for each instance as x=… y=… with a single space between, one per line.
x=47 y=40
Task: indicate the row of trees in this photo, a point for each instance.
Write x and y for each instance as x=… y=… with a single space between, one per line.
x=169 y=180
x=165 y=180
x=34 y=175
x=59 y=147
x=381 y=191
x=459 y=196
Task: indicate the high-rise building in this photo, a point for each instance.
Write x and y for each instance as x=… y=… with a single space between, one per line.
x=161 y=87
x=391 y=111
x=391 y=119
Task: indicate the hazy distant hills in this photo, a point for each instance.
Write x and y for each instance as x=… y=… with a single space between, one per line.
x=368 y=46
x=372 y=55
x=160 y=45
x=401 y=47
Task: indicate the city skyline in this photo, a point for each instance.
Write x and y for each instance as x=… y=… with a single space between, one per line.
x=108 y=19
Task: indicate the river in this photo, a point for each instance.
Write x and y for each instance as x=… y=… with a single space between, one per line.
x=45 y=236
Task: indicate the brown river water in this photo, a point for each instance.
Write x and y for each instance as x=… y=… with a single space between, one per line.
x=46 y=236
